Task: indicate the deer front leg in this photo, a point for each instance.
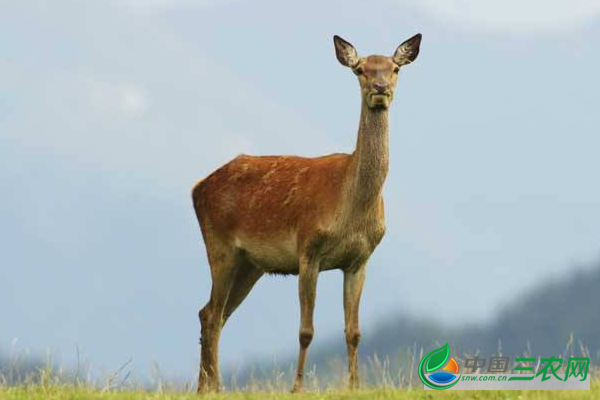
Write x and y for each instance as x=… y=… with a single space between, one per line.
x=353 y=284
x=307 y=290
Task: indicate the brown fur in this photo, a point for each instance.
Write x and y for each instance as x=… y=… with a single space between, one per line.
x=297 y=215
x=262 y=197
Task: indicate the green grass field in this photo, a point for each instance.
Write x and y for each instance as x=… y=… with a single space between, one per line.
x=36 y=392
x=50 y=383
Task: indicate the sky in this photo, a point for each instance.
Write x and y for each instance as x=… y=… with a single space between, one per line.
x=111 y=110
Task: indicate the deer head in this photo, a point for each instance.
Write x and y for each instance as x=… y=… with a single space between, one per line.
x=377 y=75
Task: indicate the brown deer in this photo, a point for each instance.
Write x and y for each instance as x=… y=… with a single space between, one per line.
x=300 y=216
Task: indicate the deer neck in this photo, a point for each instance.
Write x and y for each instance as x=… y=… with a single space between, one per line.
x=370 y=160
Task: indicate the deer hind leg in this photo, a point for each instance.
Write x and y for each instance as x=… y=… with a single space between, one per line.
x=353 y=284
x=307 y=290
x=245 y=278
x=223 y=269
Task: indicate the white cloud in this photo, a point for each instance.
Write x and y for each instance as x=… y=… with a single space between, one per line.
x=517 y=15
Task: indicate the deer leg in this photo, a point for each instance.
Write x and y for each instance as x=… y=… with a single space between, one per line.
x=307 y=290
x=244 y=282
x=211 y=320
x=353 y=284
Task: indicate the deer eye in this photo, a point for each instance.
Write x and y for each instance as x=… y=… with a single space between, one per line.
x=358 y=70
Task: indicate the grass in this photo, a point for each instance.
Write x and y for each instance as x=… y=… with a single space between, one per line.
x=35 y=392
x=56 y=384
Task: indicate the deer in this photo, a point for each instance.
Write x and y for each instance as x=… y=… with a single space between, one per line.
x=300 y=216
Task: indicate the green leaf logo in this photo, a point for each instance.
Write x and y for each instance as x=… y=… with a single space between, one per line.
x=437 y=358
x=433 y=361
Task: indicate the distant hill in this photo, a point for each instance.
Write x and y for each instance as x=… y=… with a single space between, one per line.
x=541 y=320
x=15 y=370
x=550 y=313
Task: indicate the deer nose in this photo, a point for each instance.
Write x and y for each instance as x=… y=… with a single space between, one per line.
x=381 y=87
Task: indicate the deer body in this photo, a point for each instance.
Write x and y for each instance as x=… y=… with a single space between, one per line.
x=297 y=215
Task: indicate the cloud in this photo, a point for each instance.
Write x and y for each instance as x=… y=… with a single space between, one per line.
x=513 y=15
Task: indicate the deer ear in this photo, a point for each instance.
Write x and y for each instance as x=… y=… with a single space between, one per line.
x=345 y=52
x=408 y=51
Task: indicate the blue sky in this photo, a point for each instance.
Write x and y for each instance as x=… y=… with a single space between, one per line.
x=112 y=109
